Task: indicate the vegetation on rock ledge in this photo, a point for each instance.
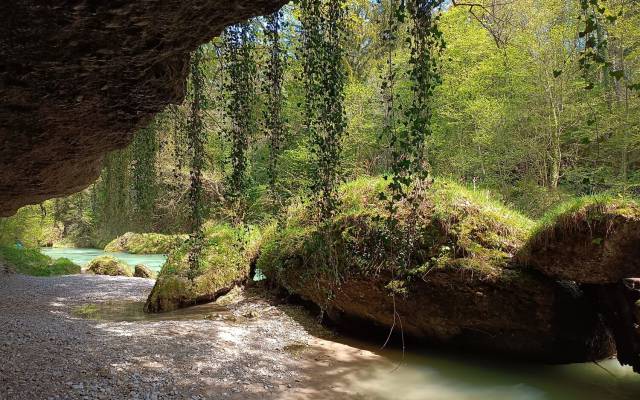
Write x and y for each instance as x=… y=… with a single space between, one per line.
x=225 y=261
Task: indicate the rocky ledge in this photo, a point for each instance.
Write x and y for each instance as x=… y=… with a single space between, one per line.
x=78 y=77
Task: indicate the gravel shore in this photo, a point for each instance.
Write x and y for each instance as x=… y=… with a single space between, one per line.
x=257 y=351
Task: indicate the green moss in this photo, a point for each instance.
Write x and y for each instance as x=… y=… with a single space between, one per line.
x=225 y=261
x=107 y=265
x=32 y=262
x=456 y=228
x=145 y=243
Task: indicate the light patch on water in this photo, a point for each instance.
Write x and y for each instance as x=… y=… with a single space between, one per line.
x=411 y=383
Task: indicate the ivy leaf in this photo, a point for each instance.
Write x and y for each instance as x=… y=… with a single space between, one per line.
x=618 y=74
x=635 y=86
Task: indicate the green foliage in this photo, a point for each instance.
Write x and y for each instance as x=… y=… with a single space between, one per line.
x=195 y=136
x=324 y=79
x=143 y=170
x=145 y=243
x=368 y=89
x=240 y=85
x=456 y=228
x=274 y=122
x=31 y=226
x=32 y=262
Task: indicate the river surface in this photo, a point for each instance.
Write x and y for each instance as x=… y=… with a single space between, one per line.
x=83 y=256
x=434 y=375
x=414 y=375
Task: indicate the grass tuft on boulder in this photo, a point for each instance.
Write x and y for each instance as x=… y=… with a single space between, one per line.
x=592 y=239
x=145 y=243
x=226 y=257
x=457 y=228
x=33 y=262
x=107 y=265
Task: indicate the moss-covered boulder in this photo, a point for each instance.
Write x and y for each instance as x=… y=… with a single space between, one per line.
x=145 y=243
x=593 y=239
x=224 y=262
x=107 y=265
x=461 y=286
x=142 y=271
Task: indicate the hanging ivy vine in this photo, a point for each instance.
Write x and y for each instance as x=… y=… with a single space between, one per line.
x=143 y=171
x=392 y=16
x=195 y=138
x=240 y=87
x=409 y=169
x=323 y=30
x=274 y=122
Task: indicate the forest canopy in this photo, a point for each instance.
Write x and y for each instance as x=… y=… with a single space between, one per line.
x=535 y=102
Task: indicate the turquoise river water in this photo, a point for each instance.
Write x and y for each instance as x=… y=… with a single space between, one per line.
x=83 y=256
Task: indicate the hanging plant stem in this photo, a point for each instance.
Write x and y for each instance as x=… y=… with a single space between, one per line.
x=195 y=137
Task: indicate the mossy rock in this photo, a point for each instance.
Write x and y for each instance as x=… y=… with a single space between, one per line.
x=145 y=243
x=107 y=265
x=462 y=287
x=142 y=271
x=224 y=262
x=593 y=239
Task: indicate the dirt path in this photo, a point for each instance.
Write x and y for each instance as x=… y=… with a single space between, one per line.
x=259 y=352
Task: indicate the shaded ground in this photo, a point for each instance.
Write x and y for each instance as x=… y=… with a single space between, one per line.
x=257 y=351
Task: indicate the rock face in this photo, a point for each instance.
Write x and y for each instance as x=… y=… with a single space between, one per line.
x=142 y=271
x=519 y=315
x=107 y=265
x=593 y=242
x=78 y=77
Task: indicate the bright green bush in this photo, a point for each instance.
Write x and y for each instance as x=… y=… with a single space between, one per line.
x=32 y=262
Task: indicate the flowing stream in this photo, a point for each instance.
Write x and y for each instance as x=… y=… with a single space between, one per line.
x=436 y=375
x=83 y=256
x=418 y=375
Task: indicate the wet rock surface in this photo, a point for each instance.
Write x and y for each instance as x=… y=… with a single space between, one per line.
x=518 y=314
x=77 y=78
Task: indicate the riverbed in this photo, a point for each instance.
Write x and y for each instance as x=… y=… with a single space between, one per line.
x=84 y=336
x=82 y=256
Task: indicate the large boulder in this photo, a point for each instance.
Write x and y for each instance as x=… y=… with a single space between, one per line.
x=107 y=265
x=224 y=262
x=461 y=287
x=145 y=243
x=142 y=271
x=594 y=240
x=78 y=78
